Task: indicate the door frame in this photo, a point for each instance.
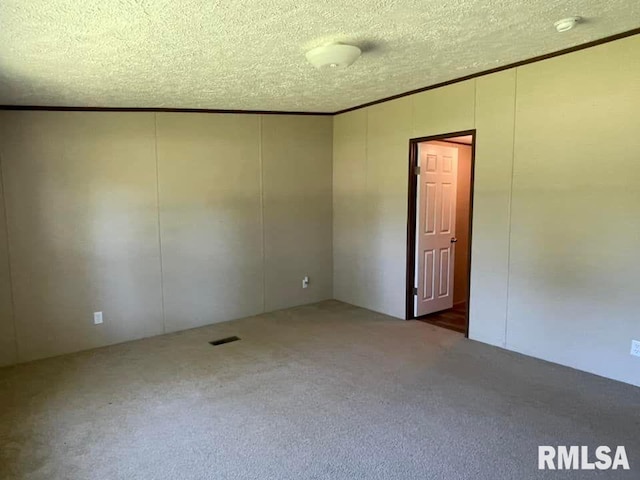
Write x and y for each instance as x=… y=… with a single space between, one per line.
x=411 y=216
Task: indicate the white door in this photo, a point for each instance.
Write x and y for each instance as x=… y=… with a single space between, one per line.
x=436 y=227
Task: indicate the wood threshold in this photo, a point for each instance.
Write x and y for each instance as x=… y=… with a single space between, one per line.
x=423 y=319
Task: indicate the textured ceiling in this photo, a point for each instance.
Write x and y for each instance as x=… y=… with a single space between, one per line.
x=249 y=54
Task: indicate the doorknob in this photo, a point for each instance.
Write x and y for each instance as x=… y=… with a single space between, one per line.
x=454 y=240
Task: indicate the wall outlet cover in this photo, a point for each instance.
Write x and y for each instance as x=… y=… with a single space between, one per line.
x=97 y=318
x=635 y=348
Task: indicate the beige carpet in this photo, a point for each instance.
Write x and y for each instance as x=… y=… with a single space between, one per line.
x=326 y=391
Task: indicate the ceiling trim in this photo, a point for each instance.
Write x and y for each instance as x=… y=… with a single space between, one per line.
x=539 y=58
x=54 y=108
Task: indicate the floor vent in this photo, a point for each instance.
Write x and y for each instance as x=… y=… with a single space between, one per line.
x=222 y=341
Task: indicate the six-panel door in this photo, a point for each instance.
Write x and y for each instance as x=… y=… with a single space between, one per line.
x=436 y=227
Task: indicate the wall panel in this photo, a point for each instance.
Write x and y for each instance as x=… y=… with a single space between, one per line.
x=349 y=204
x=495 y=102
x=210 y=217
x=81 y=198
x=444 y=110
x=297 y=174
x=388 y=131
x=576 y=203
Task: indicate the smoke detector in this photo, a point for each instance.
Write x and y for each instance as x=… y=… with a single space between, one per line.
x=336 y=55
x=566 y=24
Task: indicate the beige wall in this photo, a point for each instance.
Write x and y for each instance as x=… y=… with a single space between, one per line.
x=350 y=228
x=386 y=202
x=210 y=217
x=494 y=121
x=80 y=192
x=158 y=220
x=297 y=209
x=556 y=203
x=575 y=230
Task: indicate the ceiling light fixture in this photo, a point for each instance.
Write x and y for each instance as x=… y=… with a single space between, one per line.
x=566 y=24
x=336 y=55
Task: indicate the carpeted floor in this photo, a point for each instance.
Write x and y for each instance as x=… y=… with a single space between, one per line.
x=326 y=391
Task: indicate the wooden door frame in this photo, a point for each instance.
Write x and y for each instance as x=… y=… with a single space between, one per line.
x=411 y=216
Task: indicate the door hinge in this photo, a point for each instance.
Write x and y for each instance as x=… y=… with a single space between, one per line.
x=416 y=169
x=415 y=290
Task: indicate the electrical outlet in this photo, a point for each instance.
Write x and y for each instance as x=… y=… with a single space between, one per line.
x=97 y=318
x=635 y=348
x=305 y=282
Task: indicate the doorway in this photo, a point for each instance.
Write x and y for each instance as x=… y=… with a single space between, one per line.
x=439 y=229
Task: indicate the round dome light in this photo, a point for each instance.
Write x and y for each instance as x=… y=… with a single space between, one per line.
x=336 y=55
x=566 y=24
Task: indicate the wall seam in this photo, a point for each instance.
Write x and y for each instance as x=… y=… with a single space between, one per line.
x=333 y=209
x=513 y=163
x=366 y=152
x=11 y=293
x=333 y=294
x=155 y=135
x=262 y=223
x=367 y=211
